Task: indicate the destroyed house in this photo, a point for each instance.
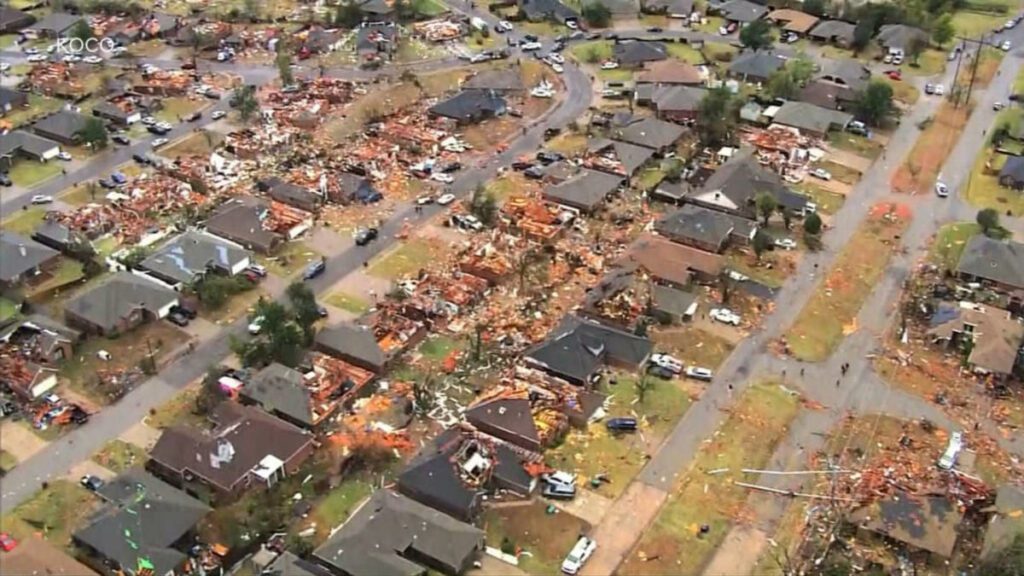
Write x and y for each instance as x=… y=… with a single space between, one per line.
x=997 y=263
x=618 y=299
x=586 y=191
x=247 y=448
x=922 y=523
x=577 y=349
x=291 y=194
x=63 y=127
x=658 y=135
x=375 y=41
x=123 y=113
x=354 y=188
x=188 y=258
x=1005 y=524
x=22 y=259
x=26 y=379
x=60 y=237
x=144 y=524
x=120 y=304
x=615 y=157
x=41 y=339
x=306 y=398
x=161 y=25
x=12 y=20
x=245 y=220
x=993 y=336
x=471 y=106
x=705 y=229
x=391 y=535
x=454 y=472
x=26 y=145
x=354 y=344
x=734 y=187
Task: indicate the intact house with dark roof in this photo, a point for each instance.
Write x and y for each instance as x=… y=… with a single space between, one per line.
x=706 y=229
x=21 y=144
x=670 y=8
x=119 y=304
x=811 y=120
x=996 y=263
x=670 y=73
x=471 y=106
x=554 y=10
x=247 y=448
x=458 y=469
x=671 y=263
x=142 y=518
x=828 y=95
x=53 y=25
x=189 y=257
x=587 y=191
x=11 y=100
x=847 y=72
x=12 y=20
x=63 y=127
x=900 y=36
x=734 y=187
x=22 y=259
x=673 y=103
x=60 y=237
x=354 y=344
x=652 y=133
x=634 y=53
x=577 y=349
x=1011 y=175
x=392 y=535
x=741 y=12
x=243 y=220
x=756 y=65
x=993 y=336
x=291 y=194
x=833 y=31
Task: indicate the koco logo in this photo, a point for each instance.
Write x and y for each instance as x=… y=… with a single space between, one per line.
x=91 y=45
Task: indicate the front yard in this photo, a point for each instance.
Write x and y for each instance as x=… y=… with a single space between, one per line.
x=860 y=145
x=56 y=511
x=118 y=456
x=983 y=188
x=28 y=173
x=289 y=259
x=933 y=146
x=950 y=241
x=545 y=538
x=25 y=222
x=406 y=260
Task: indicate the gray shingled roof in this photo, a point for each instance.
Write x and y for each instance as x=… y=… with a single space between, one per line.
x=696 y=223
x=759 y=64
x=282 y=389
x=672 y=300
x=189 y=256
x=630 y=155
x=638 y=51
x=994 y=260
x=834 y=30
x=742 y=10
x=56 y=22
x=578 y=347
x=650 y=132
x=899 y=35
x=63 y=123
x=587 y=190
x=107 y=303
x=19 y=255
x=470 y=105
x=353 y=341
x=678 y=98
x=807 y=116
x=34 y=144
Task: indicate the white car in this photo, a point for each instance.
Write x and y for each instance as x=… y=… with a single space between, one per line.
x=785 y=243
x=37 y=58
x=559 y=477
x=557 y=67
x=446 y=199
x=667 y=362
x=159 y=142
x=725 y=316
x=698 y=373
x=572 y=25
x=1009 y=24
x=424 y=200
x=92 y=60
x=65 y=156
x=42 y=199
x=821 y=173
x=218 y=114
x=556 y=57
x=505 y=25
x=997 y=106
x=579 y=555
x=956 y=443
x=1006 y=46
x=256 y=325
x=941 y=190
x=940 y=89
x=164 y=125
x=31 y=51
x=531 y=46
x=542 y=93
x=442 y=177
x=148 y=120
x=72 y=58
x=4 y=66
x=609 y=65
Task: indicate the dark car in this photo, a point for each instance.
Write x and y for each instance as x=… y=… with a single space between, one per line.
x=558 y=47
x=212 y=94
x=520 y=166
x=184 y=311
x=655 y=370
x=154 y=129
x=594 y=36
x=188 y=66
x=453 y=167
x=546 y=157
x=655 y=29
x=91 y=483
x=140 y=158
x=79 y=415
x=104 y=183
x=534 y=172
x=559 y=491
x=365 y=236
x=5 y=180
x=625 y=424
x=193 y=116
x=551 y=133
x=321 y=311
x=315 y=269
x=178 y=319
x=515 y=112
x=531 y=38
x=121 y=139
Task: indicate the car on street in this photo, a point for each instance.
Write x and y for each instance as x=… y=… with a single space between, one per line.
x=37 y=58
x=442 y=177
x=65 y=156
x=941 y=190
x=579 y=555
x=218 y=114
x=534 y=172
x=1005 y=46
x=177 y=319
x=531 y=46
x=92 y=60
x=940 y=90
x=698 y=373
x=894 y=74
x=821 y=173
x=91 y=483
x=725 y=316
x=558 y=68
x=104 y=183
x=194 y=116
x=424 y=200
x=504 y=26
x=997 y=106
x=158 y=130
x=365 y=236
x=148 y=121
x=556 y=58
x=5 y=180
x=257 y=269
x=929 y=88
x=667 y=362
x=121 y=139
x=7 y=542
x=655 y=29
x=42 y=199
x=315 y=269
x=623 y=424
x=785 y=243
x=256 y=325
x=140 y=158
x=572 y=25
x=160 y=142
x=451 y=167
x=546 y=157
x=446 y=199
x=1009 y=24
x=956 y=443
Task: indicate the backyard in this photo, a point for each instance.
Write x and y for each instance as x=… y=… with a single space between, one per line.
x=545 y=538
x=832 y=310
x=56 y=511
x=950 y=241
x=673 y=544
x=68 y=270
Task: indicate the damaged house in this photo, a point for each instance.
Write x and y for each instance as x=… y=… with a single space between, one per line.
x=471 y=106
x=353 y=344
x=578 y=349
x=291 y=194
x=41 y=339
x=518 y=420
x=996 y=263
x=924 y=524
x=186 y=259
x=247 y=221
x=587 y=191
x=615 y=157
x=734 y=188
x=671 y=263
x=990 y=337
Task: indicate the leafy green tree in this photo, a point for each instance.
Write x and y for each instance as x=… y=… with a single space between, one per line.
x=210 y=395
x=762 y=242
x=815 y=7
x=812 y=224
x=757 y=35
x=874 y=104
x=283 y=61
x=862 y=34
x=81 y=30
x=247 y=103
x=94 y=134
x=596 y=14
x=348 y=14
x=304 y=309
x=787 y=81
x=988 y=219
x=915 y=48
x=942 y=30
x=766 y=206
x=280 y=338
x=717 y=117
x=484 y=205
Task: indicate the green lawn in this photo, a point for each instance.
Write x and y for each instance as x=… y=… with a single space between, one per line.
x=57 y=511
x=950 y=241
x=673 y=544
x=840 y=172
x=854 y=143
x=176 y=109
x=177 y=411
x=592 y=52
x=616 y=75
x=118 y=456
x=718 y=52
x=649 y=178
x=7 y=461
x=1018 y=83
x=7 y=40
x=712 y=25
x=347 y=302
x=974 y=24
x=38 y=106
x=339 y=503
x=685 y=52
x=428 y=8
x=692 y=346
x=106 y=246
x=438 y=348
x=289 y=259
x=7 y=309
x=828 y=202
x=28 y=173
x=902 y=90
x=69 y=270
x=408 y=259
x=929 y=63
x=26 y=222
x=568 y=144
x=544 y=538
x=984 y=191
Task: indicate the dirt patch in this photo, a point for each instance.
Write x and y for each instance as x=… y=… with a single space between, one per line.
x=919 y=172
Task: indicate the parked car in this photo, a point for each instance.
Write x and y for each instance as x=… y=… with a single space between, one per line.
x=655 y=29
x=559 y=492
x=193 y=116
x=609 y=65
x=550 y=133
x=184 y=311
x=667 y=362
x=321 y=311
x=725 y=316
x=315 y=269
x=256 y=325
x=1005 y=46
x=424 y=200
x=579 y=555
x=65 y=156
x=504 y=26
x=559 y=477
x=104 y=183
x=929 y=88
x=660 y=372
x=442 y=177
x=785 y=243
x=42 y=199
x=534 y=172
x=257 y=270
x=894 y=74
x=546 y=157
x=941 y=190
x=5 y=180
x=177 y=319
x=940 y=90
x=121 y=139
x=519 y=166
x=698 y=373
x=452 y=167
x=956 y=443
x=365 y=236
x=531 y=46
x=623 y=424
x=572 y=24
x=7 y=542
x=159 y=142
x=218 y=114
x=446 y=199
x=997 y=106
x=91 y=483
x=821 y=173
x=141 y=159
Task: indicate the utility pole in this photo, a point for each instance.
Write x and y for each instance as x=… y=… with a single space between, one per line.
x=974 y=68
x=956 y=74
